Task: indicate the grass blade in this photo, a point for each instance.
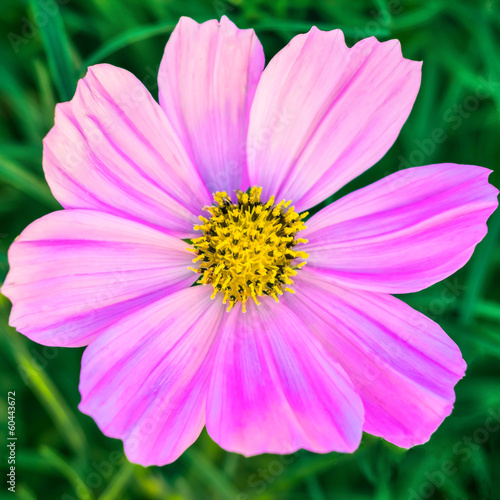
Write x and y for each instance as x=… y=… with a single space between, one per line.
x=127 y=38
x=28 y=183
x=211 y=475
x=478 y=269
x=119 y=482
x=47 y=393
x=60 y=464
x=56 y=44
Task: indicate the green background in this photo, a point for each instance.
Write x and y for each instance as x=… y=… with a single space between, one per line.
x=45 y=46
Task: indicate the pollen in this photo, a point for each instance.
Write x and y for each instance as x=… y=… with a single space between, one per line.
x=249 y=248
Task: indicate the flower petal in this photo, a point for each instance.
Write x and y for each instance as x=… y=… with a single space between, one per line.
x=144 y=380
x=404 y=232
x=74 y=272
x=275 y=390
x=402 y=364
x=207 y=81
x=324 y=113
x=113 y=149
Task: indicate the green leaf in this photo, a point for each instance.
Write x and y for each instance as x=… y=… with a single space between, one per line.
x=48 y=18
x=14 y=174
x=119 y=482
x=65 y=468
x=45 y=390
x=211 y=475
x=478 y=269
x=131 y=36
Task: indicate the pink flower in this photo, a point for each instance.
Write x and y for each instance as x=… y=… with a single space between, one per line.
x=310 y=369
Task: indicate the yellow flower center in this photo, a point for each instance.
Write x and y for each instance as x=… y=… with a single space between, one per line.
x=248 y=248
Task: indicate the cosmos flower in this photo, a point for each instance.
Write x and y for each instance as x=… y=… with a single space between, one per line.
x=205 y=297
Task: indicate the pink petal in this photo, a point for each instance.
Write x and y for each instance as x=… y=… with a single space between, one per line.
x=275 y=390
x=405 y=232
x=324 y=113
x=74 y=272
x=113 y=149
x=402 y=364
x=207 y=81
x=144 y=380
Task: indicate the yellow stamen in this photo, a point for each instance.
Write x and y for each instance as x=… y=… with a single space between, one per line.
x=248 y=248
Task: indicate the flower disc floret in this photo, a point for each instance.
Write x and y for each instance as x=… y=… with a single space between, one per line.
x=248 y=249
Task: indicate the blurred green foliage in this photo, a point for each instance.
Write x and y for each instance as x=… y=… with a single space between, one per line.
x=46 y=45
